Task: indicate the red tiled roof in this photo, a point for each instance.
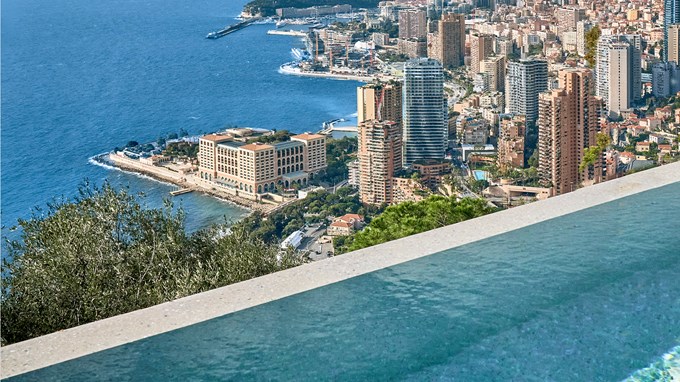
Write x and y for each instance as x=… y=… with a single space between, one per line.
x=348 y=217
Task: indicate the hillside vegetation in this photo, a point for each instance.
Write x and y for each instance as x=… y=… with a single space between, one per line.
x=104 y=254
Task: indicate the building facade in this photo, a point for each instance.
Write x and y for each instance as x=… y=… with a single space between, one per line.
x=511 y=142
x=413 y=24
x=567 y=18
x=256 y=168
x=526 y=79
x=481 y=48
x=412 y=47
x=425 y=114
x=380 y=157
x=582 y=27
x=665 y=79
x=671 y=15
x=494 y=67
x=618 y=72
x=380 y=101
x=568 y=123
x=673 y=44
x=447 y=45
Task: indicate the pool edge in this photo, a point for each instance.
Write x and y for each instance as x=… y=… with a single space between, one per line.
x=76 y=342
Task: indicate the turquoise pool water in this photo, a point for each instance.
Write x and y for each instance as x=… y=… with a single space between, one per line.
x=590 y=296
x=479 y=174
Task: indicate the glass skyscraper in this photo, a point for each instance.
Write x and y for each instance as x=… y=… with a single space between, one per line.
x=425 y=111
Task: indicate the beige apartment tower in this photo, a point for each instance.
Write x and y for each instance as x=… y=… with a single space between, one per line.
x=674 y=43
x=412 y=24
x=379 y=101
x=568 y=121
x=481 y=48
x=447 y=45
x=494 y=68
x=511 y=142
x=380 y=157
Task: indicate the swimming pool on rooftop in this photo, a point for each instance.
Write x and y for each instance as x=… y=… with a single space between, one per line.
x=589 y=296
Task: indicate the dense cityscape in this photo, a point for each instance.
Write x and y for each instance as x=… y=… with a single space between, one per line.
x=508 y=103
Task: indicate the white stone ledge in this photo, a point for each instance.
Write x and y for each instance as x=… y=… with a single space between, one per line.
x=97 y=336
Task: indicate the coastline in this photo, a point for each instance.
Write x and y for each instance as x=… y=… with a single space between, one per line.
x=166 y=176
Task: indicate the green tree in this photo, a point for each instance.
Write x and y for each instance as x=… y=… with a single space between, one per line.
x=409 y=218
x=103 y=254
x=593 y=153
x=592 y=36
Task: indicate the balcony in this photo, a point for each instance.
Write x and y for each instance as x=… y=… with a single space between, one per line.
x=580 y=287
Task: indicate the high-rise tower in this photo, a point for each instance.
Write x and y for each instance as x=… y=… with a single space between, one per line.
x=481 y=48
x=671 y=15
x=425 y=111
x=448 y=44
x=380 y=156
x=380 y=101
x=618 y=72
x=568 y=123
x=526 y=79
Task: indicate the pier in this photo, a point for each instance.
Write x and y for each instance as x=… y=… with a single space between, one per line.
x=181 y=191
x=329 y=127
x=231 y=28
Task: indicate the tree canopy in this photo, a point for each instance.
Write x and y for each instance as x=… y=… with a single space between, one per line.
x=103 y=253
x=592 y=36
x=410 y=218
x=593 y=153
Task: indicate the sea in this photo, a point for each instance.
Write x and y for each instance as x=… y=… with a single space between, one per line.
x=80 y=78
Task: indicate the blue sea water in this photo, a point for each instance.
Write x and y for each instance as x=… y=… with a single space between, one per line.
x=81 y=77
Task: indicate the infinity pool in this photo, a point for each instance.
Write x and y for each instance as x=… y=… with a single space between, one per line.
x=590 y=296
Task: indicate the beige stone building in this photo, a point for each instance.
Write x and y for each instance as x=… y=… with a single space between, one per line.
x=481 y=48
x=432 y=171
x=674 y=43
x=412 y=23
x=252 y=169
x=511 y=142
x=380 y=157
x=568 y=123
x=412 y=47
x=345 y=225
x=380 y=101
x=447 y=45
x=494 y=67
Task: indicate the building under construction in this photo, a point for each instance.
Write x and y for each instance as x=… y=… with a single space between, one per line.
x=334 y=49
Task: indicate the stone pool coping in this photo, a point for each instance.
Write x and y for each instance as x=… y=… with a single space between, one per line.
x=76 y=342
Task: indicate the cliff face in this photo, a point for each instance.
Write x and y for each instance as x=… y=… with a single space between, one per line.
x=268 y=7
